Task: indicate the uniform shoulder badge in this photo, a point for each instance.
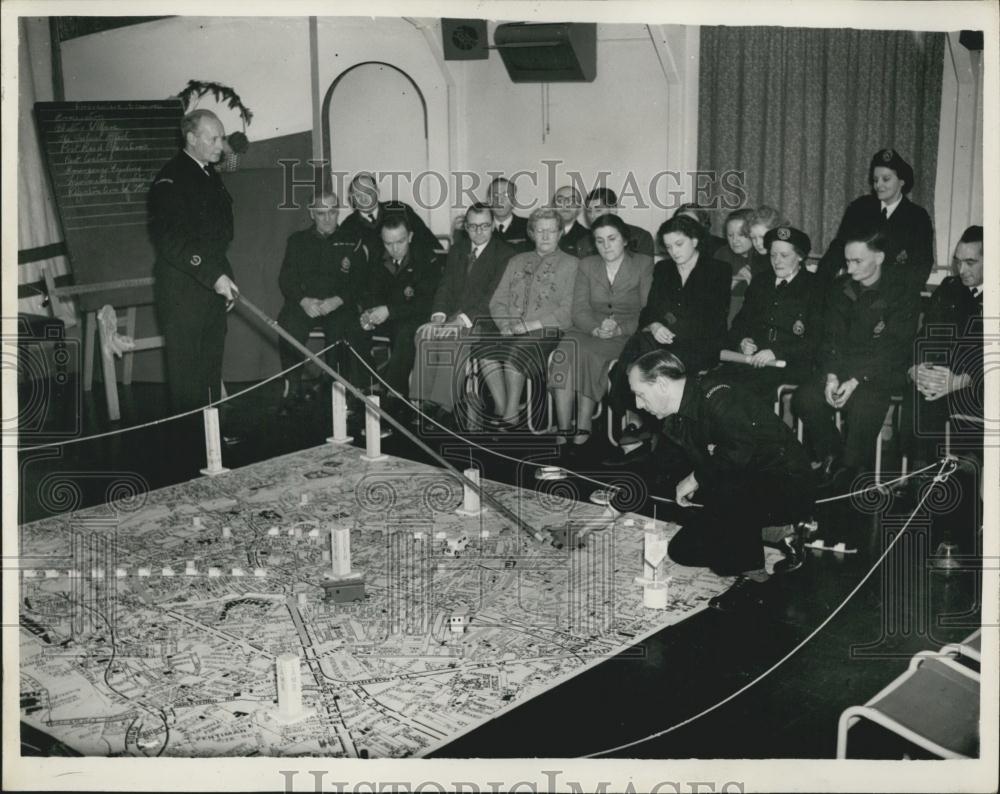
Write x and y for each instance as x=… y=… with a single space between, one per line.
x=799 y=328
x=879 y=328
x=345 y=265
x=408 y=293
x=195 y=260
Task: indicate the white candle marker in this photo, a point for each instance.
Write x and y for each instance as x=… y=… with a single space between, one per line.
x=373 y=431
x=213 y=443
x=338 y=403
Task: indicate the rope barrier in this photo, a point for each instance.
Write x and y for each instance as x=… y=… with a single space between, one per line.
x=950 y=464
x=130 y=428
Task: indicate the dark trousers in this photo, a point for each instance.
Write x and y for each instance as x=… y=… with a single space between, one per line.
x=863 y=415
x=336 y=326
x=192 y=319
x=396 y=371
x=923 y=424
x=724 y=535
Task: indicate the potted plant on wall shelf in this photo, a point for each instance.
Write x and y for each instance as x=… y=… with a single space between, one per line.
x=236 y=143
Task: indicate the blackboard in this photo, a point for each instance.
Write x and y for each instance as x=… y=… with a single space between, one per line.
x=102 y=158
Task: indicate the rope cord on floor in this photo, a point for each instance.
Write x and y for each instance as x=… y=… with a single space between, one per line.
x=948 y=466
x=130 y=428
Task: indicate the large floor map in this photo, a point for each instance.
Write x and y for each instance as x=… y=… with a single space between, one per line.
x=152 y=625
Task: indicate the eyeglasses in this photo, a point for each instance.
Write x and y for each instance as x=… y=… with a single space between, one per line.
x=478 y=227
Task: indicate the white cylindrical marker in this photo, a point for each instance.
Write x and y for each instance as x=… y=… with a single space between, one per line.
x=340 y=552
x=213 y=443
x=227 y=533
x=373 y=430
x=470 y=494
x=654 y=595
x=338 y=403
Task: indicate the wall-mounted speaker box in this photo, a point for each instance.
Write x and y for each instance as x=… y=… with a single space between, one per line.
x=464 y=39
x=548 y=52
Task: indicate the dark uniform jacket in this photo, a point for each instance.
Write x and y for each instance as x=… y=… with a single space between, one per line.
x=516 y=234
x=639 y=242
x=357 y=225
x=952 y=332
x=726 y=434
x=570 y=240
x=409 y=292
x=868 y=332
x=786 y=321
x=469 y=290
x=909 y=229
x=190 y=224
x=696 y=312
x=318 y=266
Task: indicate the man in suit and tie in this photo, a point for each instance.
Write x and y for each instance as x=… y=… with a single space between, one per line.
x=460 y=310
x=567 y=202
x=604 y=201
x=369 y=213
x=946 y=377
x=396 y=296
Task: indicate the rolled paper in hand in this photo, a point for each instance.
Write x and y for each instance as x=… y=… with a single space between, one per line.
x=739 y=358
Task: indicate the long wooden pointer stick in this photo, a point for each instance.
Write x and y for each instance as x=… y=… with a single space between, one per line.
x=483 y=493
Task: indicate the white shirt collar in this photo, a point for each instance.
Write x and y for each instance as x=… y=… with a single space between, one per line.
x=477 y=250
x=891 y=208
x=788 y=280
x=501 y=226
x=201 y=165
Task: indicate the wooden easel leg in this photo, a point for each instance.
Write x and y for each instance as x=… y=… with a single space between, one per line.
x=90 y=335
x=128 y=355
x=111 y=385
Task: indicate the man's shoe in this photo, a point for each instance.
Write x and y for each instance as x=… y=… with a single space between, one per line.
x=795 y=556
x=745 y=594
x=633 y=434
x=619 y=459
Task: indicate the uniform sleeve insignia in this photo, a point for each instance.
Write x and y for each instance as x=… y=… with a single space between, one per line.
x=408 y=293
x=902 y=257
x=195 y=260
x=799 y=328
x=783 y=233
x=164 y=181
x=877 y=331
x=345 y=265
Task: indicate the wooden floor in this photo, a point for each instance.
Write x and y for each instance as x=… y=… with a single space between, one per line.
x=792 y=712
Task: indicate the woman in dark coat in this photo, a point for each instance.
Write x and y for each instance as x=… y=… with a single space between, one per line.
x=780 y=320
x=685 y=313
x=907 y=225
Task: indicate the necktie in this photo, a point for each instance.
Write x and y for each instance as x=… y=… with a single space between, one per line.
x=782 y=284
x=370 y=217
x=472 y=260
x=885 y=214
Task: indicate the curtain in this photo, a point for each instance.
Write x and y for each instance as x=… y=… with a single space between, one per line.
x=39 y=241
x=802 y=111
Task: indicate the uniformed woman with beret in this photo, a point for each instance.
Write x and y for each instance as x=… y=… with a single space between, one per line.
x=907 y=225
x=780 y=319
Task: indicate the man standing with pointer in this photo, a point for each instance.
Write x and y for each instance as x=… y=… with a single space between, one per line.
x=191 y=226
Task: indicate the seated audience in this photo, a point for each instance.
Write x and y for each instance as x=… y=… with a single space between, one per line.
x=366 y=219
x=946 y=377
x=603 y=201
x=567 y=201
x=685 y=313
x=531 y=307
x=460 y=310
x=781 y=319
x=869 y=325
x=610 y=290
x=396 y=296
x=907 y=225
x=317 y=280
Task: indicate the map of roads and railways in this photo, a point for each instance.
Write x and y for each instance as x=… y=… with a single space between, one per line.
x=319 y=604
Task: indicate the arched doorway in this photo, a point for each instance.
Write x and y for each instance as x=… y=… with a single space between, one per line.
x=375 y=119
